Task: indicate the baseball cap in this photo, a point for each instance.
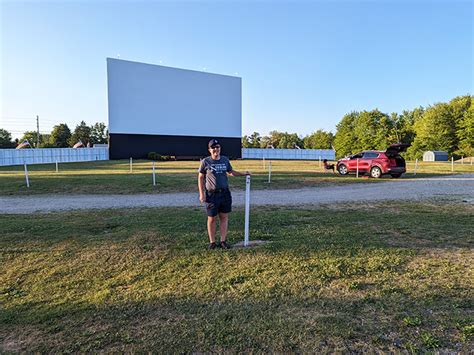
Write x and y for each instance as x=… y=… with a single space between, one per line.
x=213 y=142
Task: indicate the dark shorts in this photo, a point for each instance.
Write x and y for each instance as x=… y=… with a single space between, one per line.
x=218 y=202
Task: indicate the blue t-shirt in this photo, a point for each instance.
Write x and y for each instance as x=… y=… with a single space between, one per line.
x=216 y=172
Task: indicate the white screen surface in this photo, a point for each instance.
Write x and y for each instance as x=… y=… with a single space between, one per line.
x=152 y=99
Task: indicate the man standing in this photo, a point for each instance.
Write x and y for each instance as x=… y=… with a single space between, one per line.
x=214 y=191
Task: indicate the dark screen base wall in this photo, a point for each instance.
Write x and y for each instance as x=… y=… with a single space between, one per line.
x=137 y=146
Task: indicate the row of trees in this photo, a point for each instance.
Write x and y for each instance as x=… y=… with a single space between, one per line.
x=442 y=126
x=284 y=140
x=60 y=136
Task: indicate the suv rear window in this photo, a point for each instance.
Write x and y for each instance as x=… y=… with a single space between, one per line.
x=370 y=155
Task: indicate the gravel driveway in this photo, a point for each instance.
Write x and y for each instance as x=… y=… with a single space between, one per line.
x=456 y=187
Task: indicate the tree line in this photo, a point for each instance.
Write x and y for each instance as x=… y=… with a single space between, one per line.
x=443 y=126
x=60 y=136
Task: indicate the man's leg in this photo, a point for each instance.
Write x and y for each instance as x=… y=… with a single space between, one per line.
x=211 y=228
x=223 y=224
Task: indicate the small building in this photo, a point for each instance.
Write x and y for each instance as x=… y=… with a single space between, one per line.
x=435 y=155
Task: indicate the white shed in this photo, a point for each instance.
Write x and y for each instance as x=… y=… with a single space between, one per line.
x=435 y=155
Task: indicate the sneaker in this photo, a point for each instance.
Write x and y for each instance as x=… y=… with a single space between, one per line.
x=224 y=245
x=212 y=246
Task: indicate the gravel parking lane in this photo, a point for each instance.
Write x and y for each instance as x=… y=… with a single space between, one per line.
x=456 y=187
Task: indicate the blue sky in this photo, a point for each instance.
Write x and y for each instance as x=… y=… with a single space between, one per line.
x=304 y=64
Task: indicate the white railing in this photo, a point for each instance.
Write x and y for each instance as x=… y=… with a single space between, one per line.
x=51 y=155
x=288 y=154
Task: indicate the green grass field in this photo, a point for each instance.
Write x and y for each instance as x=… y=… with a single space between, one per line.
x=114 y=177
x=360 y=278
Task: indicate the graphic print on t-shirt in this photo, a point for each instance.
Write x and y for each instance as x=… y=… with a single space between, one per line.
x=219 y=168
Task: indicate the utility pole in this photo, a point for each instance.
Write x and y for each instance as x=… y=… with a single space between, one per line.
x=37 y=131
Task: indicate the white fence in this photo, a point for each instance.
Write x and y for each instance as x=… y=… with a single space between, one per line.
x=51 y=155
x=288 y=154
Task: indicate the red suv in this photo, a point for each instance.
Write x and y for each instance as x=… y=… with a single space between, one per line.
x=375 y=163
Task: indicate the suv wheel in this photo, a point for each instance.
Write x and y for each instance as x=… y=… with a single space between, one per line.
x=376 y=172
x=342 y=169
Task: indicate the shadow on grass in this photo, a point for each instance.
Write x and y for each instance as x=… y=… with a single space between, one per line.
x=314 y=324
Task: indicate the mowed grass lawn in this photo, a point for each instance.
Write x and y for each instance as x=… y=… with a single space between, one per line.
x=363 y=278
x=114 y=177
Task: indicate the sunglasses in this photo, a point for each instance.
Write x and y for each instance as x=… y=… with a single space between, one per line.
x=216 y=147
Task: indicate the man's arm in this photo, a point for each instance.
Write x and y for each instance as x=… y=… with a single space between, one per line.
x=202 y=196
x=238 y=173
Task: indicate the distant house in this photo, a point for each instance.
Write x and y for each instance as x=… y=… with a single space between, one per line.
x=435 y=155
x=24 y=144
x=79 y=144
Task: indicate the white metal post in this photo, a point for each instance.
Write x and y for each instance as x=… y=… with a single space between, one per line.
x=57 y=169
x=269 y=172
x=319 y=162
x=357 y=170
x=247 y=209
x=26 y=177
x=452 y=164
x=462 y=160
x=131 y=169
x=154 y=179
x=263 y=163
x=416 y=165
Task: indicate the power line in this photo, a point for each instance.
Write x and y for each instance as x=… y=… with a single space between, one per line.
x=23 y=120
x=11 y=118
x=16 y=118
x=23 y=132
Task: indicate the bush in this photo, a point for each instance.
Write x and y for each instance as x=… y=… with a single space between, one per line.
x=154 y=156
x=158 y=157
